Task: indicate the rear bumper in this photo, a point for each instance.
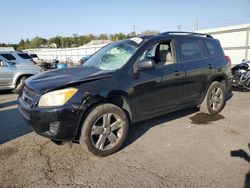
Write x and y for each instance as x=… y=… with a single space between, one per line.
x=59 y=124
x=229 y=85
x=229 y=93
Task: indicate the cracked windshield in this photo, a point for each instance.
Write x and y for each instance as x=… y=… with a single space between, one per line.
x=113 y=56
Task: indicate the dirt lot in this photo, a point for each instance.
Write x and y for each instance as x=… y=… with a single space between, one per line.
x=181 y=149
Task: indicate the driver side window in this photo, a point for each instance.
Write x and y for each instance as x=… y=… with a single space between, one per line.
x=160 y=52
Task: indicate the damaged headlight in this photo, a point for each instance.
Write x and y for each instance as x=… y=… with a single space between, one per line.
x=57 y=98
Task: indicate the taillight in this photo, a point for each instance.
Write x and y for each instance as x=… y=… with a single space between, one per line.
x=228 y=59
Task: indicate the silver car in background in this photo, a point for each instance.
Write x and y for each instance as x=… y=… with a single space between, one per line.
x=17 y=57
x=13 y=75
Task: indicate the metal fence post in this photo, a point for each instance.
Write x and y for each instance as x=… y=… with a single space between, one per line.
x=247 y=42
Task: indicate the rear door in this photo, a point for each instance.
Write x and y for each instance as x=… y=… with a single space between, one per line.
x=196 y=67
x=215 y=55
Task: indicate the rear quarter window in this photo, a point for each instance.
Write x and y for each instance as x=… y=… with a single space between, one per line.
x=211 y=46
x=190 y=49
x=24 y=56
x=9 y=57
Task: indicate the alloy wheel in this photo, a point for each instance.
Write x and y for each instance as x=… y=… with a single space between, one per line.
x=107 y=131
x=216 y=98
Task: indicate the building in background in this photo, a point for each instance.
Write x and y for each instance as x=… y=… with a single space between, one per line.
x=6 y=49
x=235 y=41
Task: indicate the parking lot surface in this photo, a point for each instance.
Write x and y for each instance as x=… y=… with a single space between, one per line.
x=181 y=149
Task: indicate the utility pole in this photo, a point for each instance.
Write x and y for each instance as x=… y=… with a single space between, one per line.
x=62 y=45
x=197 y=24
x=247 y=44
x=179 y=27
x=133 y=33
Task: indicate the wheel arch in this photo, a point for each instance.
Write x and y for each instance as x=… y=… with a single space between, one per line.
x=118 y=98
x=218 y=78
x=18 y=76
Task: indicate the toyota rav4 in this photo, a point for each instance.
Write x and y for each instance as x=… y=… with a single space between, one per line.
x=126 y=82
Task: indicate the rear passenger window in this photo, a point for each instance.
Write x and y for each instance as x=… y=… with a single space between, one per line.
x=24 y=56
x=211 y=47
x=190 y=50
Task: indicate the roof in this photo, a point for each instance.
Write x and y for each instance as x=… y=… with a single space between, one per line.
x=186 y=34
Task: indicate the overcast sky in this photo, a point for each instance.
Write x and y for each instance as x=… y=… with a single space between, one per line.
x=21 y=19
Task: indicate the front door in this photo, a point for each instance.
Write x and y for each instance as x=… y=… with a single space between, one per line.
x=6 y=75
x=160 y=89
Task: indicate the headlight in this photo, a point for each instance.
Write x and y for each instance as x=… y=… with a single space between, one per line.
x=56 y=98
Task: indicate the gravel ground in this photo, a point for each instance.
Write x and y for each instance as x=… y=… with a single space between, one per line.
x=181 y=149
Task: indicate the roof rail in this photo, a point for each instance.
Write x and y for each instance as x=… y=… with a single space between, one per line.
x=187 y=33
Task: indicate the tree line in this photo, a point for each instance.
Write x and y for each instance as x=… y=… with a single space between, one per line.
x=72 y=41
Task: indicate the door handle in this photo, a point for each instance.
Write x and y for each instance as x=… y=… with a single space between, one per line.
x=177 y=73
x=210 y=66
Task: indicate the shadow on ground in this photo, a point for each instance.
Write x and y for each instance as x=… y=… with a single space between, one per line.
x=7 y=104
x=12 y=125
x=5 y=92
x=236 y=89
x=244 y=155
x=139 y=129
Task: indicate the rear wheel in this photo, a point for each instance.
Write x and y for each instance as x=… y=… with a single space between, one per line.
x=214 y=100
x=104 y=130
x=19 y=85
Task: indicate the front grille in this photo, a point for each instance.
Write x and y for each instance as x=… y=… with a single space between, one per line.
x=24 y=112
x=28 y=96
x=29 y=91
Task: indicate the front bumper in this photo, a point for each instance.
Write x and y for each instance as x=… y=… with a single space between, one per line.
x=59 y=124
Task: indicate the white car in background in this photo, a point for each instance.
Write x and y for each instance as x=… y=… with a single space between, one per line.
x=35 y=58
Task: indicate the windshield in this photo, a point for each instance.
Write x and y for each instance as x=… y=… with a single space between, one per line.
x=112 y=56
x=9 y=57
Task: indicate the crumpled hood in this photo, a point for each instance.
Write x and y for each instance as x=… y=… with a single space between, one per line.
x=52 y=80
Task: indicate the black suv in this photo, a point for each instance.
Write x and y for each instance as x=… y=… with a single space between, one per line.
x=126 y=82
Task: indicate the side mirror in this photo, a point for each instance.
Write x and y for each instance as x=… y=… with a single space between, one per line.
x=84 y=59
x=146 y=64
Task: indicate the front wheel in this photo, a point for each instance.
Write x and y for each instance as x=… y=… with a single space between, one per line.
x=214 y=100
x=104 y=130
x=19 y=85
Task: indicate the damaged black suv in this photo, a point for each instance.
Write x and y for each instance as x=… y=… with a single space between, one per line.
x=126 y=82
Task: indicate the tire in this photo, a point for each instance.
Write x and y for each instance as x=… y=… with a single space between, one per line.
x=19 y=85
x=101 y=137
x=214 y=100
